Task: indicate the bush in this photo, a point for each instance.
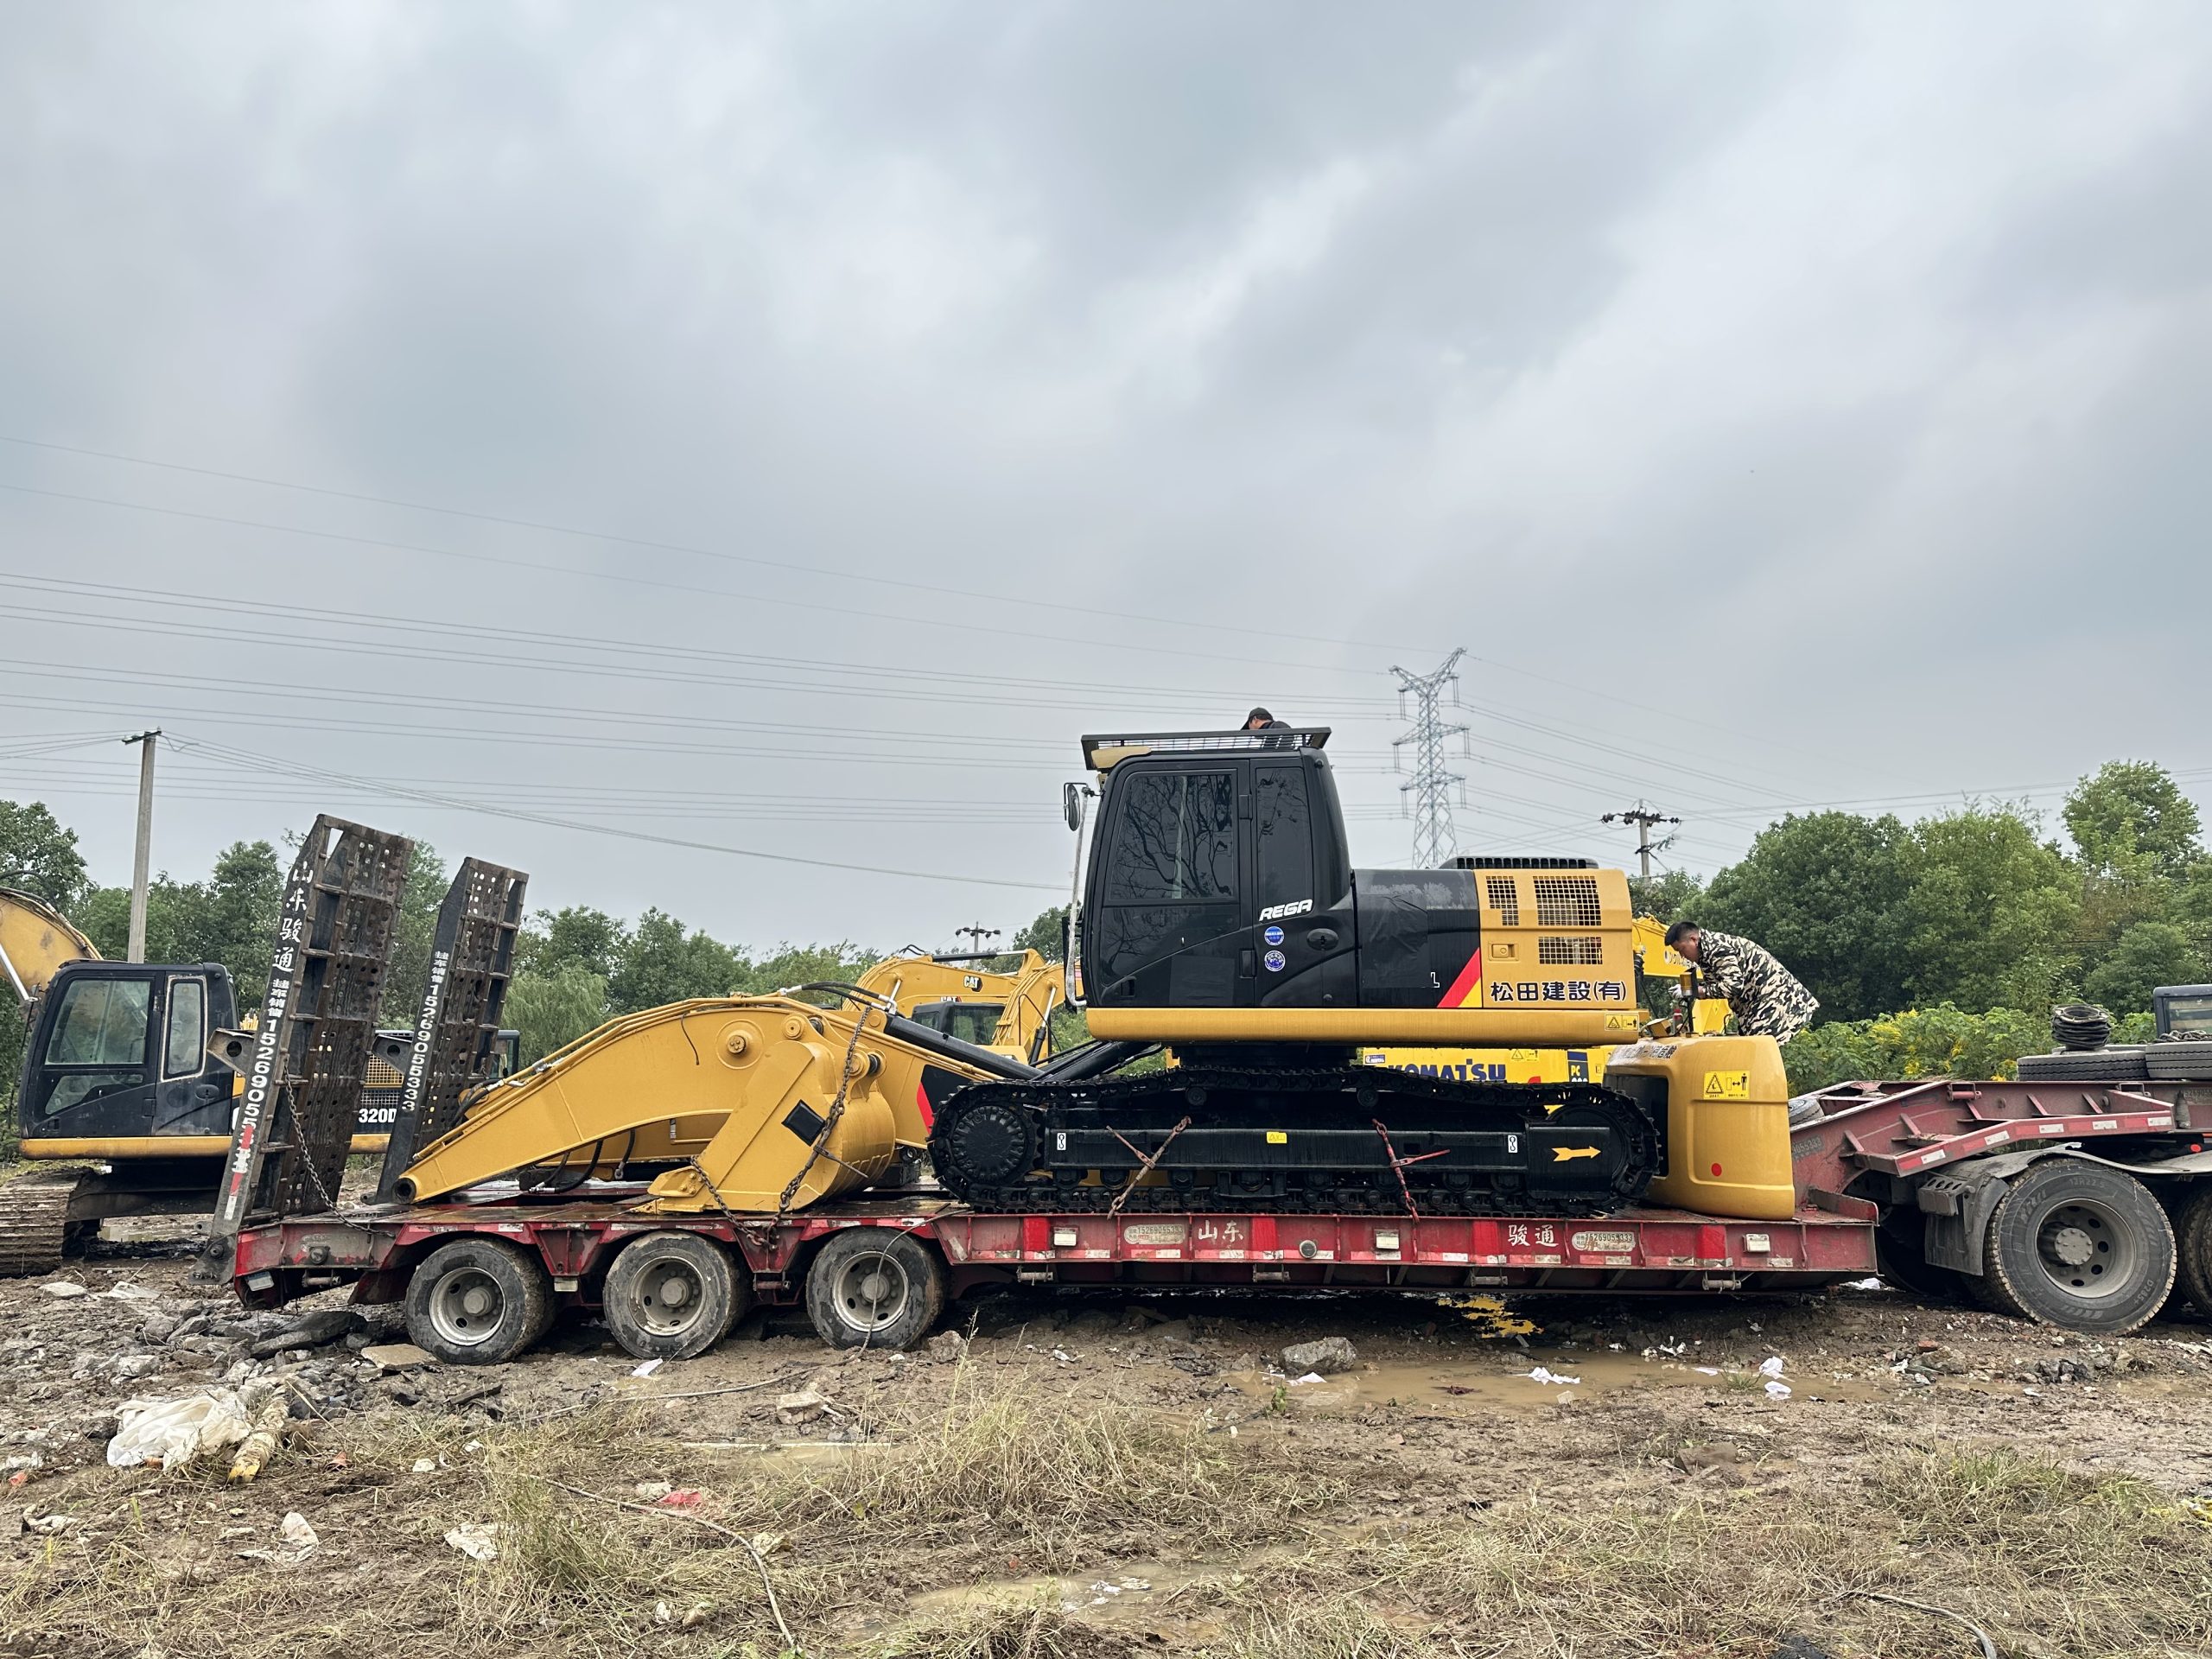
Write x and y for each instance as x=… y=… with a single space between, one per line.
x=1943 y=1041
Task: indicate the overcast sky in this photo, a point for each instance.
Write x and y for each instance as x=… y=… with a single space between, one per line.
x=789 y=430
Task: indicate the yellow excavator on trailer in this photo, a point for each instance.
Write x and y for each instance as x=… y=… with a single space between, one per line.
x=1217 y=915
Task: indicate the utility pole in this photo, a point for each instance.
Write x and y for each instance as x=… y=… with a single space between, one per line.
x=1642 y=817
x=976 y=936
x=144 y=856
x=1429 y=792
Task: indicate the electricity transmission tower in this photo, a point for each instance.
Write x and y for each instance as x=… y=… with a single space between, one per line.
x=1428 y=793
x=1644 y=817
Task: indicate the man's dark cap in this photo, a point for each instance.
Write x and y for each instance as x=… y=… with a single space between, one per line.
x=1675 y=933
x=1257 y=714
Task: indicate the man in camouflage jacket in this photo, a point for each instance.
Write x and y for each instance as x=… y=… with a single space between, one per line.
x=1766 y=997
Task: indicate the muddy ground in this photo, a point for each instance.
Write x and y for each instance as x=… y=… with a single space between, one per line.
x=1116 y=1475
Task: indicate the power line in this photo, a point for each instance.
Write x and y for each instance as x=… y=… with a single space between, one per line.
x=261 y=763
x=385 y=543
x=1429 y=792
x=1673 y=716
x=762 y=561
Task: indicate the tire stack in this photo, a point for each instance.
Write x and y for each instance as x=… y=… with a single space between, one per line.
x=2082 y=1032
x=2181 y=1059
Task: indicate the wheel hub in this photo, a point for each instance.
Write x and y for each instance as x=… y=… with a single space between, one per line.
x=669 y=1298
x=871 y=1293
x=466 y=1308
x=2070 y=1246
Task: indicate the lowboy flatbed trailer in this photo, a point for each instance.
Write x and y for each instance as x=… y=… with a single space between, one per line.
x=2077 y=1204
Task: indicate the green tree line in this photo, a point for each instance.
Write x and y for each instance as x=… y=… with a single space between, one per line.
x=1937 y=945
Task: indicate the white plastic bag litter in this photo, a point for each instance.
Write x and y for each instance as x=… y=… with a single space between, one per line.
x=477 y=1540
x=1770 y=1366
x=1540 y=1375
x=176 y=1431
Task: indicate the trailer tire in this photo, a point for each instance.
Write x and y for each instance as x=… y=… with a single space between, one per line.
x=875 y=1287
x=2193 y=1240
x=672 y=1295
x=2079 y=1246
x=2085 y=1065
x=478 y=1301
x=2187 y=1061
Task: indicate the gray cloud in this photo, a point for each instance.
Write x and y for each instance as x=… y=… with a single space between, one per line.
x=1835 y=376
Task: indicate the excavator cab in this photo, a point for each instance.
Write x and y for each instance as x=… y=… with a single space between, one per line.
x=1219 y=876
x=117 y=1059
x=1219 y=886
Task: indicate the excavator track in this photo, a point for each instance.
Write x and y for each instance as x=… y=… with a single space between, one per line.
x=1349 y=1139
x=34 y=1222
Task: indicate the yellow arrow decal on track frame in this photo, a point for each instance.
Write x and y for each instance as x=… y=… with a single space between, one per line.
x=1567 y=1154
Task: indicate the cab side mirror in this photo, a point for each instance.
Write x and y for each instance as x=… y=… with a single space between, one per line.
x=1071 y=796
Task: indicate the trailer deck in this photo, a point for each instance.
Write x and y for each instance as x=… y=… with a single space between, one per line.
x=1643 y=1251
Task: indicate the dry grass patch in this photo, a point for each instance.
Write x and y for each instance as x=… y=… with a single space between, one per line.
x=1032 y=1628
x=995 y=1476
x=2050 y=1562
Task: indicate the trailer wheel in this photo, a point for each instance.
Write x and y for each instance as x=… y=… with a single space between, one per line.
x=875 y=1287
x=478 y=1301
x=672 y=1295
x=2193 y=1237
x=2079 y=1245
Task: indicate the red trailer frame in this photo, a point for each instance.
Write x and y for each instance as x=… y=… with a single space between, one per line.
x=1889 y=1141
x=1643 y=1250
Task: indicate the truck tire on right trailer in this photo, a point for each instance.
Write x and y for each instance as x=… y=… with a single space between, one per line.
x=673 y=1295
x=875 y=1287
x=478 y=1301
x=2193 y=1243
x=2080 y=1245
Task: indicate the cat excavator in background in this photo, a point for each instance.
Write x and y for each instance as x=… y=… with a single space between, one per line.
x=137 y=1087
x=118 y=1087
x=966 y=997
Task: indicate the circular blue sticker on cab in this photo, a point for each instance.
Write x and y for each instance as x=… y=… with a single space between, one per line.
x=1274 y=936
x=1275 y=960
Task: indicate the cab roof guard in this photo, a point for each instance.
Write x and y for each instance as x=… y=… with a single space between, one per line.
x=1102 y=752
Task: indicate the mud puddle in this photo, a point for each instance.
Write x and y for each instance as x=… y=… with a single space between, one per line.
x=1537 y=1379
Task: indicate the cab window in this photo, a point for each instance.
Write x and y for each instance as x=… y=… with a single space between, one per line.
x=1175 y=840
x=967 y=1022
x=1286 y=837
x=98 y=1045
x=102 y=1022
x=2191 y=1015
x=184 y=1054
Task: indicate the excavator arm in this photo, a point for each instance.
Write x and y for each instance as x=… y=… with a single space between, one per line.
x=35 y=939
x=749 y=1104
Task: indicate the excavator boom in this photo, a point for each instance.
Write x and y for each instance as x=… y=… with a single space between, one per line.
x=35 y=939
x=749 y=1105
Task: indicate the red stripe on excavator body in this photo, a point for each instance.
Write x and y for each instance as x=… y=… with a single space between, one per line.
x=1470 y=976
